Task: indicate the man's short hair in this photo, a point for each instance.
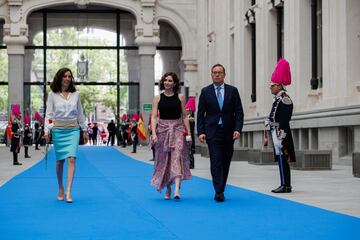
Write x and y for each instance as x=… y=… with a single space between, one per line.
x=218 y=65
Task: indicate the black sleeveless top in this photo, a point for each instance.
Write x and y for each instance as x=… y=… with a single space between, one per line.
x=169 y=107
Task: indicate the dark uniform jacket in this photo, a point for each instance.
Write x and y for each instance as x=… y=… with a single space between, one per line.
x=111 y=128
x=27 y=135
x=37 y=137
x=16 y=137
x=134 y=133
x=280 y=117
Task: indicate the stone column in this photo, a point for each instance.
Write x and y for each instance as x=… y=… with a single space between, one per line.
x=147 y=38
x=15 y=38
x=190 y=76
x=297 y=37
x=15 y=49
x=147 y=79
x=132 y=60
x=28 y=59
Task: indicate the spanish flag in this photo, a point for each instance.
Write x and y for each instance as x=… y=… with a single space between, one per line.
x=141 y=130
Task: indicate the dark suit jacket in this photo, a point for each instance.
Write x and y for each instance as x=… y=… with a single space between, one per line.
x=209 y=112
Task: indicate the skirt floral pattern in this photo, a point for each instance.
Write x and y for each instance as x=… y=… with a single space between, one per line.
x=171 y=154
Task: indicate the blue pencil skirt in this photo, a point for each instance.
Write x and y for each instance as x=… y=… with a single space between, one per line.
x=66 y=142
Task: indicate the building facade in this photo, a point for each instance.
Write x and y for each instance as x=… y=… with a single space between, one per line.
x=320 y=39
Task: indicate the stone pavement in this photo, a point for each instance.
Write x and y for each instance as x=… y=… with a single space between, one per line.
x=8 y=171
x=335 y=190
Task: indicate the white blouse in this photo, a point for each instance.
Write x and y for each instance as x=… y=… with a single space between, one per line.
x=59 y=107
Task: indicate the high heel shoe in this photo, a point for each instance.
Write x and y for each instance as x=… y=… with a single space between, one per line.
x=176 y=196
x=168 y=194
x=60 y=196
x=68 y=198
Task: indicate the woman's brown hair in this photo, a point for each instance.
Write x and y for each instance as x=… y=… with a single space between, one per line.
x=56 y=84
x=176 y=80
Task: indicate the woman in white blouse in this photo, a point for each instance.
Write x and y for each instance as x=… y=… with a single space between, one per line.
x=64 y=115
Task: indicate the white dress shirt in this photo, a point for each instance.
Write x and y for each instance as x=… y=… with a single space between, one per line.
x=59 y=107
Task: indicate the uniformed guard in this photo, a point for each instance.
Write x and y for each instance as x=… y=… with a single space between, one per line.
x=17 y=133
x=124 y=130
x=133 y=131
x=278 y=124
x=190 y=107
x=27 y=136
x=38 y=121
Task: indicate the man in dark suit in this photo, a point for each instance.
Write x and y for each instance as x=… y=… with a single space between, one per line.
x=219 y=122
x=112 y=131
x=37 y=138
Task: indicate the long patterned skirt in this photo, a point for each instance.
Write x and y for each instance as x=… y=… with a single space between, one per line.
x=171 y=154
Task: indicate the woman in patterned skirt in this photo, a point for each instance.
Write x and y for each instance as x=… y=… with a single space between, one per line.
x=171 y=137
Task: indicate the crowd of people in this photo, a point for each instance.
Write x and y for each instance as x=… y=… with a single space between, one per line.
x=121 y=133
x=219 y=122
x=24 y=134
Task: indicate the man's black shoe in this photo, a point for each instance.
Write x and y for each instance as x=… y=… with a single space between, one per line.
x=277 y=189
x=27 y=156
x=17 y=163
x=37 y=148
x=219 y=197
x=282 y=189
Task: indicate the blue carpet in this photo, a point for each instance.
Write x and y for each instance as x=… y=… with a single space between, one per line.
x=113 y=199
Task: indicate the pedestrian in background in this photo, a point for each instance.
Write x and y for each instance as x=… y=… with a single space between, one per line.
x=27 y=136
x=17 y=133
x=38 y=124
x=190 y=108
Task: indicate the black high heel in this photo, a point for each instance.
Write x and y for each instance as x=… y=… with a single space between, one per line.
x=176 y=196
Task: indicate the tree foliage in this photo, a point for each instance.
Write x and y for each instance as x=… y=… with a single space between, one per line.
x=3 y=78
x=102 y=67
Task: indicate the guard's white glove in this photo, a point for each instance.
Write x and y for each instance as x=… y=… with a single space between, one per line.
x=281 y=134
x=267 y=122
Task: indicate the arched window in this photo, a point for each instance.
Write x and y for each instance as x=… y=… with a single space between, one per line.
x=97 y=44
x=168 y=54
x=3 y=80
